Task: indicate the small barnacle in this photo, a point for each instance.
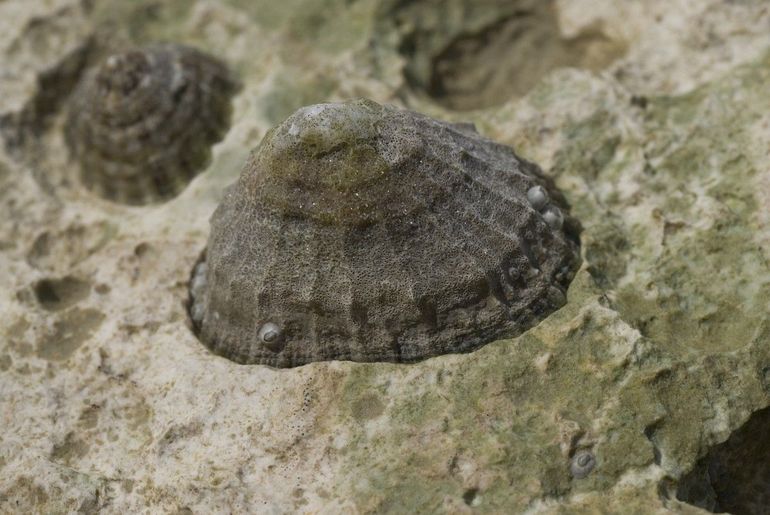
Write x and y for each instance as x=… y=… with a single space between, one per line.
x=197 y=286
x=363 y=232
x=270 y=335
x=196 y=313
x=583 y=462
x=553 y=217
x=141 y=124
x=538 y=197
x=199 y=280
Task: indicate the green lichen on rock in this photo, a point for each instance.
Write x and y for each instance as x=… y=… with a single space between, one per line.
x=656 y=354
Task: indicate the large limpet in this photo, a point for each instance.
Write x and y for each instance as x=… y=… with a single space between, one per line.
x=362 y=232
x=141 y=124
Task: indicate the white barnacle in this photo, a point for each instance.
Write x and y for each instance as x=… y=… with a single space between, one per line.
x=198 y=285
x=553 y=217
x=270 y=334
x=537 y=197
x=197 y=312
x=583 y=462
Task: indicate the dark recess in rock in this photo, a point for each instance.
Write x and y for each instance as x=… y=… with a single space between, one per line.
x=734 y=476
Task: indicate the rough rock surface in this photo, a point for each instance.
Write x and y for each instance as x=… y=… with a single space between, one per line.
x=109 y=403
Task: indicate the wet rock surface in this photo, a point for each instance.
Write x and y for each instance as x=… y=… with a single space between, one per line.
x=659 y=357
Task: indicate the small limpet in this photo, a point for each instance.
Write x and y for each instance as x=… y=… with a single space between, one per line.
x=363 y=232
x=141 y=124
x=270 y=335
x=583 y=462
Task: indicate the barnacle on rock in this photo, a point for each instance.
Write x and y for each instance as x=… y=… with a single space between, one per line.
x=362 y=232
x=141 y=124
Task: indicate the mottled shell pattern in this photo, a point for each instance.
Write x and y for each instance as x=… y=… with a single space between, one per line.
x=141 y=124
x=363 y=232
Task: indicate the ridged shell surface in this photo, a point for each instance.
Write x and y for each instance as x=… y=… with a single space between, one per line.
x=141 y=124
x=363 y=232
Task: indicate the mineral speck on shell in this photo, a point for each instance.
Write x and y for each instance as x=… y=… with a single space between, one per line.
x=538 y=197
x=363 y=232
x=141 y=124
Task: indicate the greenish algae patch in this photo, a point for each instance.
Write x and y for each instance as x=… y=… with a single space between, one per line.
x=144 y=22
x=71 y=330
x=664 y=320
x=72 y=448
x=292 y=89
x=496 y=413
x=367 y=407
x=706 y=288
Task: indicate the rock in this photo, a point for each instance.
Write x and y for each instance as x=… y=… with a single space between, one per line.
x=659 y=356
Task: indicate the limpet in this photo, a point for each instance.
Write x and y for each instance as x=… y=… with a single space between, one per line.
x=583 y=462
x=363 y=232
x=141 y=124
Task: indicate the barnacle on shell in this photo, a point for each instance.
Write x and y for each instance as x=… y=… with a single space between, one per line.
x=363 y=232
x=141 y=124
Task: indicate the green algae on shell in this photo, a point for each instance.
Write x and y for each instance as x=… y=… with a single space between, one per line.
x=363 y=232
x=141 y=124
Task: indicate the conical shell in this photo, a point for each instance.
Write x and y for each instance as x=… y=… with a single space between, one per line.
x=367 y=233
x=141 y=124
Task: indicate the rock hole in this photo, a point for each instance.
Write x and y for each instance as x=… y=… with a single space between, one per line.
x=650 y=433
x=58 y=294
x=470 y=496
x=734 y=476
x=428 y=312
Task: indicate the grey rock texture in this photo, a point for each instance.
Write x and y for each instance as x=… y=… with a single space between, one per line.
x=367 y=233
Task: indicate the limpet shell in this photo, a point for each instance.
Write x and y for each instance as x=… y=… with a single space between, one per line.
x=141 y=124
x=363 y=232
x=582 y=463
